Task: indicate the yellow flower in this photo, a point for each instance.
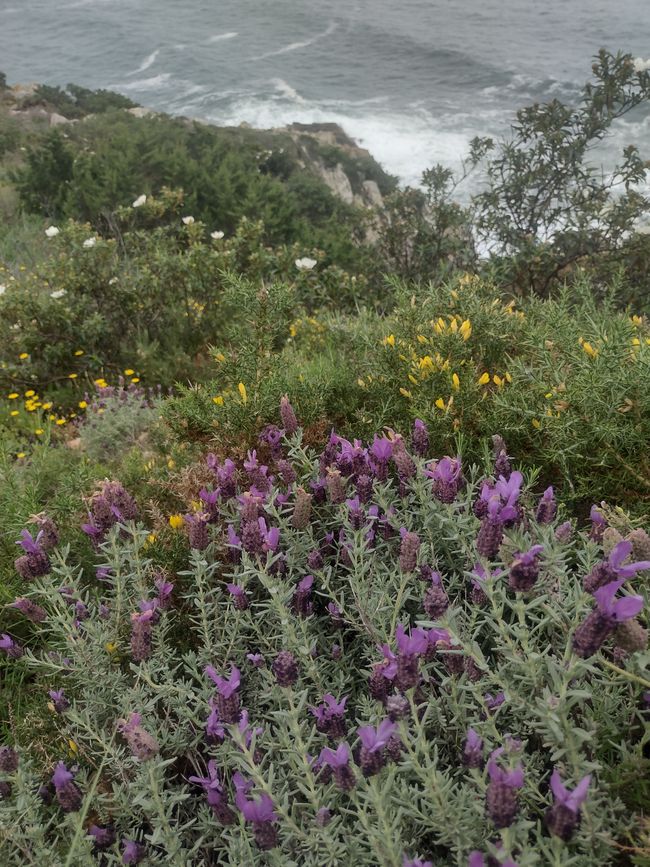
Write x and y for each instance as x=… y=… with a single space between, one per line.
x=20 y=455
x=508 y=377
x=361 y=383
x=176 y=522
x=536 y=423
x=151 y=538
x=453 y=326
x=83 y=404
x=14 y=412
x=637 y=320
x=218 y=400
x=101 y=383
x=135 y=380
x=30 y=393
x=47 y=406
x=242 y=392
x=484 y=378
x=496 y=379
x=23 y=355
x=455 y=381
x=13 y=395
x=405 y=392
x=79 y=352
x=73 y=375
x=589 y=349
x=412 y=379
x=60 y=421
x=110 y=647
x=74 y=749
x=389 y=341
x=636 y=341
x=39 y=431
x=422 y=338
x=454 y=294
x=466 y=329
x=129 y=372
x=426 y=364
x=220 y=356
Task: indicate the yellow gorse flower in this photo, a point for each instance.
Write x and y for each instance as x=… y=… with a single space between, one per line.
x=389 y=341
x=218 y=399
x=455 y=381
x=484 y=378
x=176 y=522
x=242 y=392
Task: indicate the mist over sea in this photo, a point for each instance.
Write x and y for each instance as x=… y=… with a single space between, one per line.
x=413 y=81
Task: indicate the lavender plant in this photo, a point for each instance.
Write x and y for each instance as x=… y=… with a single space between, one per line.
x=371 y=657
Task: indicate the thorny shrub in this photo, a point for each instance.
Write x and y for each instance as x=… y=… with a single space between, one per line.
x=371 y=657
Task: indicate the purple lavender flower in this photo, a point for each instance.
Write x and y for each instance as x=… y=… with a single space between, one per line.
x=260 y=812
x=416 y=862
x=301 y=602
x=197 y=524
x=373 y=741
x=10 y=647
x=609 y=570
x=547 y=507
x=30 y=609
x=67 y=792
x=59 y=700
x=563 y=818
x=524 y=569
x=165 y=589
x=255 y=659
x=447 y=477
x=215 y=794
x=141 y=634
x=408 y=552
x=34 y=563
x=476 y=859
x=409 y=647
x=339 y=761
x=271 y=436
x=143 y=745
x=595 y=629
x=420 y=438
x=214 y=730
x=564 y=531
x=598 y=524
x=330 y=716
x=501 y=795
x=8 y=760
x=490 y=534
x=436 y=601
x=132 y=852
x=103 y=837
x=288 y=416
x=380 y=453
x=227 y=699
x=473 y=750
x=239 y=596
x=492 y=702
x=285 y=668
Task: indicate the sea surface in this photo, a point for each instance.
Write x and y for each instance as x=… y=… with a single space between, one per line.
x=411 y=80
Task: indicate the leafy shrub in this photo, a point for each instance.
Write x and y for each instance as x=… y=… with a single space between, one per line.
x=318 y=685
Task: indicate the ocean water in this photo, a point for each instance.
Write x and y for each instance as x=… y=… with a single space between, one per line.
x=413 y=81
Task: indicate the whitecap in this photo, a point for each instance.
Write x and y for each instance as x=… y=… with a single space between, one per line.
x=146 y=63
x=154 y=83
x=219 y=37
x=295 y=46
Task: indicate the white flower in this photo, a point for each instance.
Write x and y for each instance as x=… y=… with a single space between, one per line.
x=140 y=201
x=217 y=235
x=641 y=65
x=3 y=288
x=306 y=264
x=112 y=281
x=58 y=293
x=90 y=242
x=52 y=231
x=188 y=220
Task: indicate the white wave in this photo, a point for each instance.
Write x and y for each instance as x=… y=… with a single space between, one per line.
x=154 y=83
x=146 y=63
x=219 y=37
x=285 y=89
x=295 y=46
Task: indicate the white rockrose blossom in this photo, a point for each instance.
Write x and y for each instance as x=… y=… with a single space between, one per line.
x=306 y=264
x=112 y=281
x=3 y=288
x=188 y=220
x=52 y=231
x=58 y=293
x=89 y=242
x=140 y=201
x=217 y=235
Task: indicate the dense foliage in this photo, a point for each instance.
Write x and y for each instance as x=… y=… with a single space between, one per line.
x=367 y=656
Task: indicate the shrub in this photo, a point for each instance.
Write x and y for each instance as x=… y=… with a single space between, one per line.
x=368 y=657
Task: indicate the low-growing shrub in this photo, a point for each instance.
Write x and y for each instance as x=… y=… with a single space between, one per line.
x=370 y=657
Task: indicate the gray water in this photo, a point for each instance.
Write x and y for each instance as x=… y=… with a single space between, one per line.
x=411 y=80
